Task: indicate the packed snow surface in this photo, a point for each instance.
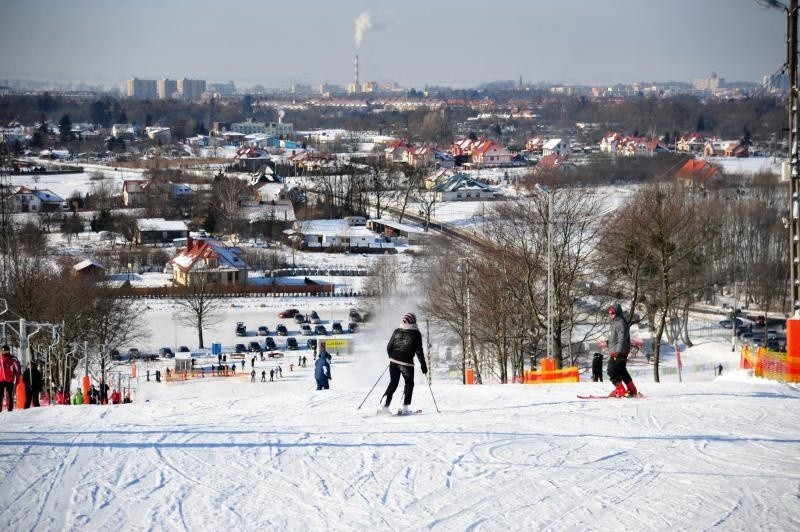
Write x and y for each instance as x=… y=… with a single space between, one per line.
x=227 y=454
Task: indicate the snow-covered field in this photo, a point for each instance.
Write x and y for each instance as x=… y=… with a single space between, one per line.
x=225 y=453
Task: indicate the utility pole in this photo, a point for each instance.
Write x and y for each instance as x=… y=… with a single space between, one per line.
x=794 y=178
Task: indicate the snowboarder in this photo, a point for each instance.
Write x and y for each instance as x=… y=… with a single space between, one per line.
x=619 y=345
x=597 y=367
x=10 y=372
x=322 y=370
x=406 y=341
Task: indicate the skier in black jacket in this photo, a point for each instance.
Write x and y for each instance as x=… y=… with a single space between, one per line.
x=406 y=341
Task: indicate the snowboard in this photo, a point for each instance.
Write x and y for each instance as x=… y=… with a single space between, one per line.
x=637 y=396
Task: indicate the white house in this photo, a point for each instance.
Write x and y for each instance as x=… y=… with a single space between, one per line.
x=334 y=233
x=27 y=200
x=557 y=146
x=461 y=187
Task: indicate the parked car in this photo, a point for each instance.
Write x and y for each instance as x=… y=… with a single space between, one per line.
x=241 y=330
x=311 y=343
x=184 y=349
x=263 y=330
x=761 y=321
x=291 y=343
x=255 y=347
x=288 y=313
x=305 y=329
x=315 y=317
x=134 y=353
x=299 y=318
x=352 y=326
x=166 y=352
x=281 y=330
x=115 y=354
x=269 y=343
x=321 y=330
x=336 y=328
x=354 y=315
x=240 y=348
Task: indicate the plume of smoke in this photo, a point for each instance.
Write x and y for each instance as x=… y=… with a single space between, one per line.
x=365 y=22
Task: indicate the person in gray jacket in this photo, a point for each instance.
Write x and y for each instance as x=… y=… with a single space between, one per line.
x=619 y=345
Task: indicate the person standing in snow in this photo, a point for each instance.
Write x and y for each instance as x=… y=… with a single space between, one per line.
x=263 y=375
x=406 y=341
x=322 y=369
x=619 y=345
x=597 y=367
x=10 y=372
x=33 y=385
x=252 y=375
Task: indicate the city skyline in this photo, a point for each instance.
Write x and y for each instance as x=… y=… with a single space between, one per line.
x=448 y=43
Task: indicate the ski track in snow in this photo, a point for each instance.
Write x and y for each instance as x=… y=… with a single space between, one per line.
x=228 y=454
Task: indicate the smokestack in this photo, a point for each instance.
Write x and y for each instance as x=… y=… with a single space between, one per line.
x=358 y=86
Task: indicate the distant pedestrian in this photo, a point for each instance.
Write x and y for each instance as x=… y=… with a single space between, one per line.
x=158 y=375
x=253 y=375
x=33 y=384
x=148 y=375
x=242 y=364
x=597 y=367
x=322 y=372
x=280 y=372
x=291 y=367
x=219 y=358
x=233 y=369
x=10 y=373
x=719 y=370
x=271 y=375
x=263 y=375
x=253 y=362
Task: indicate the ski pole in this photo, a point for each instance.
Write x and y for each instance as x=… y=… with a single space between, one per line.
x=373 y=387
x=432 y=397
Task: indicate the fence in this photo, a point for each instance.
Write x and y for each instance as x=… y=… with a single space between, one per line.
x=772 y=365
x=303 y=290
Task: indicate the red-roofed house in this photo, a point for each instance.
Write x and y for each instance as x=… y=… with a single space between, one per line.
x=698 y=172
x=489 y=153
x=395 y=151
x=209 y=261
x=553 y=161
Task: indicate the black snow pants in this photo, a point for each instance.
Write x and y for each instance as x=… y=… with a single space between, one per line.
x=395 y=370
x=617 y=370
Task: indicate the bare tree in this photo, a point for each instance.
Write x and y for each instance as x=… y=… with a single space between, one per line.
x=665 y=234
x=199 y=304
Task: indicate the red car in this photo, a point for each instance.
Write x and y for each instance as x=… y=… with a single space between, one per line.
x=288 y=313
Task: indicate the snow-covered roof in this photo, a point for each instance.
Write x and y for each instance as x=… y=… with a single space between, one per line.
x=160 y=224
x=87 y=264
x=551 y=144
x=396 y=225
x=227 y=257
x=332 y=228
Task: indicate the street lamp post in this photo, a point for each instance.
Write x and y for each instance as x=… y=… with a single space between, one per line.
x=550 y=294
x=792 y=173
x=463 y=268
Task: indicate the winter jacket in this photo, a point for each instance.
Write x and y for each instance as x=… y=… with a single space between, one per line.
x=405 y=342
x=33 y=380
x=619 y=338
x=322 y=367
x=10 y=369
x=77 y=398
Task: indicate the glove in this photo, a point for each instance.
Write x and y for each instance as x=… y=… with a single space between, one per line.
x=424 y=368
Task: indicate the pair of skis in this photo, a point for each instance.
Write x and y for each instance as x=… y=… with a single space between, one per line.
x=637 y=396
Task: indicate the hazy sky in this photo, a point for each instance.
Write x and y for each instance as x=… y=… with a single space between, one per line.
x=414 y=42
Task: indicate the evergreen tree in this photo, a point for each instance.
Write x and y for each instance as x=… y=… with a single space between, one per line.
x=65 y=128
